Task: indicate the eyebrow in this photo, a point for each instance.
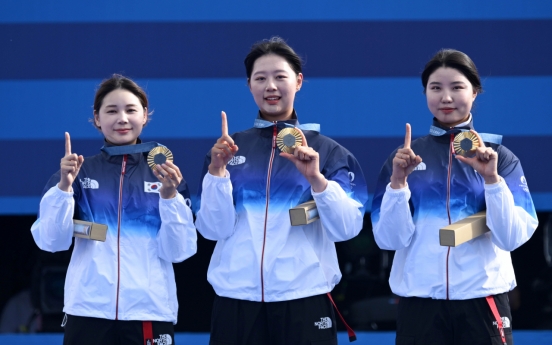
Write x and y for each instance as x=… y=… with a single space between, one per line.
x=128 y=105
x=276 y=71
x=454 y=82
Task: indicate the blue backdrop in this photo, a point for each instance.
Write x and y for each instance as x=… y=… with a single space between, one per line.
x=363 y=61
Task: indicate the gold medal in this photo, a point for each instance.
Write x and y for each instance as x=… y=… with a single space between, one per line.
x=465 y=144
x=159 y=155
x=288 y=139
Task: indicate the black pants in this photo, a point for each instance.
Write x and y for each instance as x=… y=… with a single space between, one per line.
x=455 y=322
x=307 y=320
x=81 y=330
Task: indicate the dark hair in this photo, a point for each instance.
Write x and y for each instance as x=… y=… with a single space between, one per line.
x=275 y=45
x=116 y=82
x=453 y=59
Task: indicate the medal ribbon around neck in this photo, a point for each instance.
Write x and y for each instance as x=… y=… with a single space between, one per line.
x=486 y=137
x=260 y=123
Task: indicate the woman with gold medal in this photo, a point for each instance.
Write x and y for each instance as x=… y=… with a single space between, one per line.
x=121 y=290
x=272 y=279
x=452 y=295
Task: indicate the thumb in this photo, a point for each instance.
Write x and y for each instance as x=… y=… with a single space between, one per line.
x=80 y=160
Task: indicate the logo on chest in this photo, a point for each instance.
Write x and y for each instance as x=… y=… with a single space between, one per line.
x=89 y=183
x=420 y=167
x=152 y=187
x=237 y=160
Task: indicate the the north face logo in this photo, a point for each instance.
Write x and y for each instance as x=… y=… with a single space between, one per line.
x=89 y=183
x=236 y=160
x=505 y=322
x=164 y=339
x=421 y=166
x=324 y=323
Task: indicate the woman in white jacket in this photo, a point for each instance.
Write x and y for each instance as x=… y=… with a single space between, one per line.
x=452 y=295
x=271 y=279
x=121 y=291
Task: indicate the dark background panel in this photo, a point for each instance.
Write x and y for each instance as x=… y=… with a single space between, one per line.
x=217 y=49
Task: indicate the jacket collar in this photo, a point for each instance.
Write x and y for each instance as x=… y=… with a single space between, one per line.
x=438 y=130
x=114 y=153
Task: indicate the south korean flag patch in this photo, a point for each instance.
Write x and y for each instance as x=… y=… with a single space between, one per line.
x=152 y=187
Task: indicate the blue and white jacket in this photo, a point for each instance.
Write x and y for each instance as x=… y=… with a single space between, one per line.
x=259 y=256
x=130 y=275
x=442 y=190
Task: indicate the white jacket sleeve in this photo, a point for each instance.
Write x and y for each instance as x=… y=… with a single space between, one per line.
x=395 y=228
x=340 y=215
x=511 y=225
x=53 y=230
x=177 y=237
x=216 y=216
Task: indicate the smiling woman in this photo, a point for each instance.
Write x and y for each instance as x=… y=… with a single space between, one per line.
x=148 y=228
x=450 y=96
x=451 y=84
x=461 y=292
x=120 y=110
x=273 y=85
x=274 y=76
x=275 y=276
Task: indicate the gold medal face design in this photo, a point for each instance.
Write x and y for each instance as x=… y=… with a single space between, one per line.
x=465 y=143
x=159 y=155
x=288 y=139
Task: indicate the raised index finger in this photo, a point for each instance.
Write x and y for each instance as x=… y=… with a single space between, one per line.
x=67 y=144
x=224 y=124
x=407 y=136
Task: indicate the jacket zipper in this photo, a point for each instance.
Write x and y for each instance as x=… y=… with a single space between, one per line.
x=448 y=201
x=119 y=211
x=274 y=133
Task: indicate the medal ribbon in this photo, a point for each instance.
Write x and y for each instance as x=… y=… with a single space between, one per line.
x=130 y=149
x=486 y=137
x=260 y=123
